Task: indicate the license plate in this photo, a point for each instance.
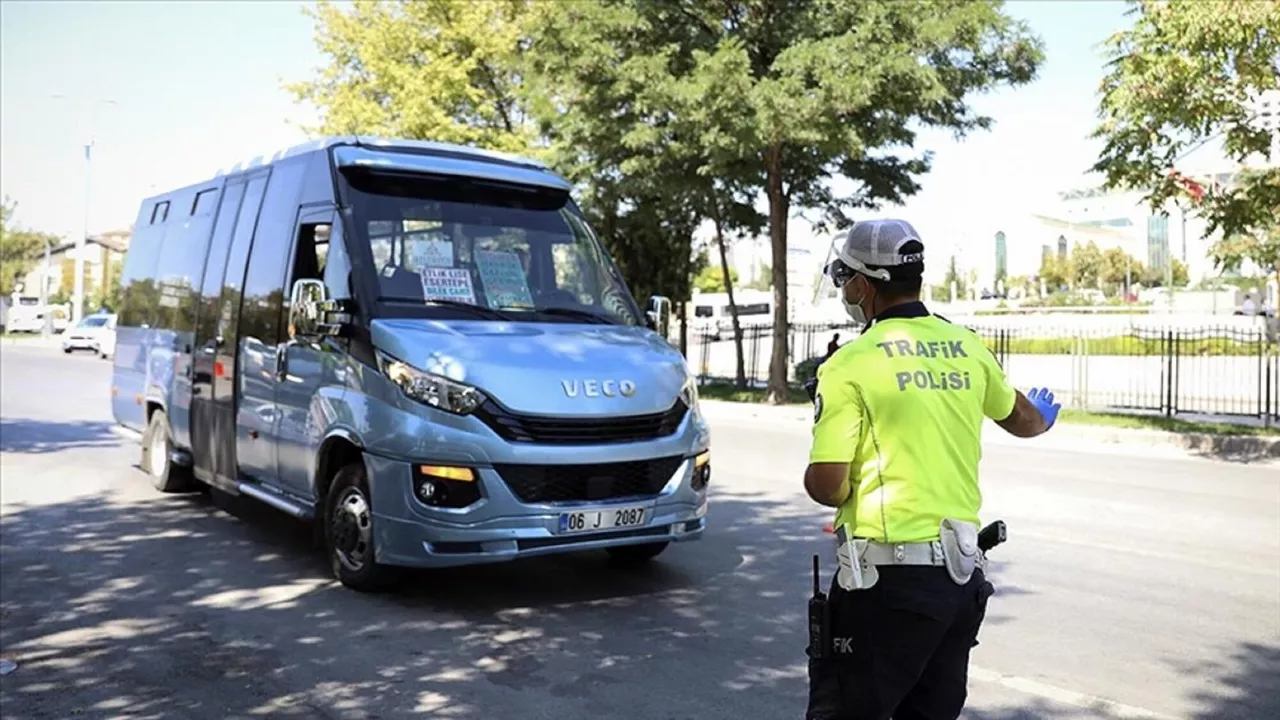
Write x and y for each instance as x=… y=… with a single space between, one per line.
x=589 y=520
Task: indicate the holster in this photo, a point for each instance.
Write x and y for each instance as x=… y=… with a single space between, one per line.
x=960 y=553
x=855 y=572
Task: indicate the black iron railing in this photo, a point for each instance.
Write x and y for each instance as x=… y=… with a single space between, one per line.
x=1204 y=370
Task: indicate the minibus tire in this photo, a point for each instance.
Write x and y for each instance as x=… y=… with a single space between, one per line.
x=165 y=476
x=350 y=491
x=635 y=555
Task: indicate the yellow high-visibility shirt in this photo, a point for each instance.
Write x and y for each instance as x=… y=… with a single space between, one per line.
x=904 y=404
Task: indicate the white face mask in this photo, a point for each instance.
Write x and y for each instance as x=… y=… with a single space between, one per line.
x=853 y=309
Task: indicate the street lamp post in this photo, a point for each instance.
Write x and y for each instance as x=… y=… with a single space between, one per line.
x=77 y=296
x=44 y=288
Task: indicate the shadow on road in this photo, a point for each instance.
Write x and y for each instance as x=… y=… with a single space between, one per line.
x=1248 y=685
x=179 y=606
x=44 y=436
x=186 y=607
x=1234 y=449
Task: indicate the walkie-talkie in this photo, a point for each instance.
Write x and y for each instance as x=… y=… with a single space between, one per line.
x=992 y=535
x=818 y=618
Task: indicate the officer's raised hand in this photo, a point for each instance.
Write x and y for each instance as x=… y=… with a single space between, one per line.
x=1032 y=414
x=1042 y=398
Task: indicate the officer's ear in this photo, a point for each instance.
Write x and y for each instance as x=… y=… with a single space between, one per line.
x=862 y=288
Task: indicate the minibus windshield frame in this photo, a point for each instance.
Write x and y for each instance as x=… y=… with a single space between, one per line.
x=525 y=252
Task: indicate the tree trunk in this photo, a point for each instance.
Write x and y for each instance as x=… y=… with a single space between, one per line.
x=684 y=329
x=777 y=391
x=740 y=375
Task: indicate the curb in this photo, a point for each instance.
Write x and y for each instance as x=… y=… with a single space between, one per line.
x=1237 y=447
x=1228 y=447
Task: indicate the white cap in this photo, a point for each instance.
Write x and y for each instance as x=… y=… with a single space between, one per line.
x=872 y=246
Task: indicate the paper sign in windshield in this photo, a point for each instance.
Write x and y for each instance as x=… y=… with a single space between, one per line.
x=447 y=284
x=505 y=284
x=432 y=253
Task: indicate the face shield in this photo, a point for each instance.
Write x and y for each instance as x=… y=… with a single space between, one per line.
x=838 y=268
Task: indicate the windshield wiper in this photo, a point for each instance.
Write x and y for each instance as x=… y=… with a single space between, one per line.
x=477 y=309
x=574 y=312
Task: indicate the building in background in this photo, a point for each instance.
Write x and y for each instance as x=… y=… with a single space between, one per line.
x=1266 y=114
x=1002 y=260
x=102 y=256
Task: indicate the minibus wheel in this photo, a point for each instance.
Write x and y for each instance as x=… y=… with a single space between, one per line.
x=348 y=532
x=635 y=555
x=155 y=461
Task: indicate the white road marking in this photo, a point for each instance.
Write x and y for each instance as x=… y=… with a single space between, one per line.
x=1038 y=689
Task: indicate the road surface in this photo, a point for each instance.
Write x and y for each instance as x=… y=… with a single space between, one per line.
x=1133 y=586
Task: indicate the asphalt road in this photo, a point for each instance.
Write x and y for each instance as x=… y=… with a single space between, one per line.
x=1133 y=586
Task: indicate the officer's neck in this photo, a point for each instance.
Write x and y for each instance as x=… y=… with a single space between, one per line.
x=882 y=307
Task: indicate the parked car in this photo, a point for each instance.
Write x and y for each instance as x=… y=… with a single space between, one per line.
x=95 y=332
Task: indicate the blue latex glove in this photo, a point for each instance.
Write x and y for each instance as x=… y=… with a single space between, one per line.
x=1043 y=400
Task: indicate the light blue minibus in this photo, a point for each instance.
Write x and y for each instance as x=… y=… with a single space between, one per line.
x=422 y=347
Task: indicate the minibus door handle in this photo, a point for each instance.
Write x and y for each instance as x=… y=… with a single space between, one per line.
x=282 y=361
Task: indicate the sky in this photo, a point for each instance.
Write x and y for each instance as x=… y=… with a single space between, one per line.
x=170 y=92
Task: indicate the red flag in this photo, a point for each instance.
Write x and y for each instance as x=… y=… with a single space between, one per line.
x=1191 y=187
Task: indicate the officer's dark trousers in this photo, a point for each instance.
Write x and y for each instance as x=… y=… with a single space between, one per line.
x=900 y=648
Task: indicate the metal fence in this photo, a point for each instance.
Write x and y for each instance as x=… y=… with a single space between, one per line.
x=1205 y=371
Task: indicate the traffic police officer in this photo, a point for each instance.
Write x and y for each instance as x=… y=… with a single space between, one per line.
x=898 y=413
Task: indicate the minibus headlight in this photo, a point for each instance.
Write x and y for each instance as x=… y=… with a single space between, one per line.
x=689 y=393
x=430 y=389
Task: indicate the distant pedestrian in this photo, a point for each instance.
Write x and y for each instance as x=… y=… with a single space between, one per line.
x=834 y=345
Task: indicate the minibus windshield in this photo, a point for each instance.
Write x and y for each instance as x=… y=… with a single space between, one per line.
x=436 y=243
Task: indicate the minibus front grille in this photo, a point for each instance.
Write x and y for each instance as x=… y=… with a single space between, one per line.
x=586 y=483
x=581 y=430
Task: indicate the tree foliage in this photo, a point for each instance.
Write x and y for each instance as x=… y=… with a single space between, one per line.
x=1087 y=267
x=1182 y=76
x=1261 y=247
x=668 y=113
x=20 y=250
x=711 y=279
x=777 y=97
x=444 y=70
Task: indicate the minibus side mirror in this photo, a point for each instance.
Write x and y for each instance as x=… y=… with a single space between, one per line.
x=305 y=309
x=658 y=315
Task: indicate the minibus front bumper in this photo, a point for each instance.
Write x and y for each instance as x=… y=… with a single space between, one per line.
x=505 y=523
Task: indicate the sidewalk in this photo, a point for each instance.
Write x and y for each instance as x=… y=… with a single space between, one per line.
x=34 y=340
x=1064 y=436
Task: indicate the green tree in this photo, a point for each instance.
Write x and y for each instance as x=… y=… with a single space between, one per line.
x=1158 y=277
x=1085 y=265
x=1263 y=248
x=648 y=121
x=833 y=87
x=1120 y=270
x=445 y=70
x=1055 y=272
x=20 y=250
x=805 y=91
x=711 y=279
x=109 y=295
x=1179 y=78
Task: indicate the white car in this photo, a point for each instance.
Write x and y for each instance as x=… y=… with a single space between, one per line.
x=94 y=332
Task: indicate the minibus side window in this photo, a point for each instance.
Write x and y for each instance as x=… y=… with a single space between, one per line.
x=312 y=252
